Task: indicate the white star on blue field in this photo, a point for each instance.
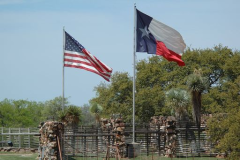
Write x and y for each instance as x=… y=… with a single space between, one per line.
x=145 y=32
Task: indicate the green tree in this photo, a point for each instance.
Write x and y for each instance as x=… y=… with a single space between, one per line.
x=115 y=97
x=51 y=107
x=87 y=117
x=156 y=76
x=96 y=110
x=70 y=115
x=7 y=112
x=20 y=113
x=224 y=127
x=224 y=133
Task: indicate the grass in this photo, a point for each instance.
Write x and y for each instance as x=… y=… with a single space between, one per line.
x=15 y=156
x=148 y=158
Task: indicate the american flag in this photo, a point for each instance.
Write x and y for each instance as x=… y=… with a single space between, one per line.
x=76 y=56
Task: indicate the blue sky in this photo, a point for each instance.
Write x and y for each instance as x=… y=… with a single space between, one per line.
x=31 y=39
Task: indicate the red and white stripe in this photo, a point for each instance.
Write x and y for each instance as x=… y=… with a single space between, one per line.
x=87 y=62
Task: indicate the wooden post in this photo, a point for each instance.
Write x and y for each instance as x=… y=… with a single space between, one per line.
x=117 y=153
x=108 y=137
x=152 y=154
x=133 y=152
x=2 y=136
x=107 y=154
x=199 y=141
x=72 y=142
x=9 y=131
x=147 y=141
x=29 y=139
x=159 y=141
x=59 y=148
x=84 y=143
x=19 y=138
x=97 y=141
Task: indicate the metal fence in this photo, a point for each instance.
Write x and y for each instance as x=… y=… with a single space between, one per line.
x=91 y=141
x=19 y=137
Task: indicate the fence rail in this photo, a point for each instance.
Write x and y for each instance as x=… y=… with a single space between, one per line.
x=20 y=137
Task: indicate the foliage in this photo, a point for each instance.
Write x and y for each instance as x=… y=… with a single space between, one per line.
x=224 y=98
x=117 y=97
x=156 y=76
x=20 y=113
x=70 y=115
x=96 y=110
x=23 y=113
x=197 y=84
x=51 y=107
x=224 y=126
x=224 y=129
x=178 y=99
x=87 y=117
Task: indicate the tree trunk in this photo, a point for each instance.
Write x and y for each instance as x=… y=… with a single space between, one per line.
x=196 y=100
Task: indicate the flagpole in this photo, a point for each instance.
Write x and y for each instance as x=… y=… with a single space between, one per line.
x=63 y=69
x=62 y=145
x=134 y=73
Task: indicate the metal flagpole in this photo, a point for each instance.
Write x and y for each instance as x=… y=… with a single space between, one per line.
x=63 y=69
x=134 y=72
x=62 y=134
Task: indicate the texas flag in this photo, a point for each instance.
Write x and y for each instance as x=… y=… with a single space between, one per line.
x=157 y=38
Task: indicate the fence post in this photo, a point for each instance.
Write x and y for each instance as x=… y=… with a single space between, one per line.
x=108 y=137
x=29 y=139
x=84 y=143
x=159 y=141
x=147 y=141
x=2 y=136
x=186 y=133
x=97 y=141
x=9 y=131
x=19 y=138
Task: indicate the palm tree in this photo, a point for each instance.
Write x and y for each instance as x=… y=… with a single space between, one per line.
x=178 y=99
x=71 y=115
x=196 y=85
x=96 y=110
